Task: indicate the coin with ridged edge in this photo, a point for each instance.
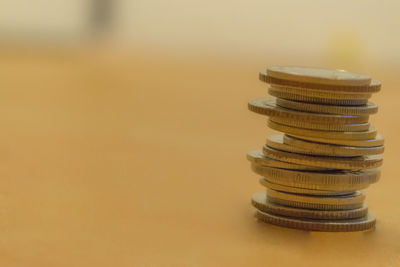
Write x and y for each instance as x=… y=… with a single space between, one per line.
x=319 y=93
x=342 y=202
x=318 y=75
x=377 y=141
x=267 y=106
x=317 y=100
x=322 y=126
x=345 y=163
x=298 y=190
x=351 y=225
x=257 y=157
x=260 y=202
x=325 y=180
x=368 y=109
x=313 y=148
x=364 y=135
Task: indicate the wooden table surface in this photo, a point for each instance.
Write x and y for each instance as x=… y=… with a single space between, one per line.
x=139 y=160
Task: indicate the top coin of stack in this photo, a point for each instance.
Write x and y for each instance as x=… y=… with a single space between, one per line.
x=327 y=153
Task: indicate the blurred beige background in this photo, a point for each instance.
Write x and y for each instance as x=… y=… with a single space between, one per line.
x=124 y=129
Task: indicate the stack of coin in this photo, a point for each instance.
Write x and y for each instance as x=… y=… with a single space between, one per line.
x=314 y=172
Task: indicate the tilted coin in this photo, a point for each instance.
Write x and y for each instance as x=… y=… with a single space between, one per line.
x=318 y=93
x=298 y=190
x=257 y=157
x=321 y=180
x=322 y=126
x=316 y=100
x=342 y=202
x=351 y=225
x=331 y=135
x=346 y=163
x=267 y=106
x=377 y=141
x=318 y=75
x=260 y=202
x=307 y=147
x=368 y=109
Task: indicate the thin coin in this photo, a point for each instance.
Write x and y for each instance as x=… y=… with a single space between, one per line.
x=365 y=135
x=351 y=225
x=267 y=106
x=257 y=157
x=318 y=75
x=374 y=142
x=307 y=147
x=368 y=109
x=319 y=93
x=323 y=126
x=298 y=190
x=345 y=163
x=317 y=100
x=260 y=202
x=322 y=180
x=352 y=201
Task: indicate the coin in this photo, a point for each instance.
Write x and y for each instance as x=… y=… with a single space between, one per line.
x=322 y=126
x=318 y=75
x=329 y=135
x=307 y=147
x=317 y=100
x=257 y=157
x=346 y=163
x=368 y=109
x=298 y=190
x=345 y=202
x=260 y=202
x=321 y=180
x=319 y=93
x=267 y=106
x=377 y=141
x=351 y=225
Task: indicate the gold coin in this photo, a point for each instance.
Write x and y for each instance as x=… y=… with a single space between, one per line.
x=257 y=157
x=298 y=190
x=374 y=142
x=317 y=100
x=351 y=225
x=307 y=147
x=365 y=135
x=322 y=180
x=319 y=93
x=267 y=106
x=318 y=75
x=345 y=202
x=346 y=163
x=260 y=202
x=322 y=126
x=368 y=109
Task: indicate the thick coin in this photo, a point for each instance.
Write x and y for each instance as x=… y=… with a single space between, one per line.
x=260 y=202
x=257 y=157
x=318 y=75
x=377 y=141
x=343 y=202
x=267 y=106
x=321 y=94
x=323 y=180
x=365 y=135
x=317 y=100
x=298 y=190
x=307 y=147
x=368 y=109
x=345 y=163
x=322 y=126
x=351 y=225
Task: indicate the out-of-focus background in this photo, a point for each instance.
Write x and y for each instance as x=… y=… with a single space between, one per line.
x=124 y=129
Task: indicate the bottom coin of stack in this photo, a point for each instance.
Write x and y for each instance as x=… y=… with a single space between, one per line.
x=315 y=171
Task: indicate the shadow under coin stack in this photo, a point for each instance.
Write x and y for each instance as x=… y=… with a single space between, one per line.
x=314 y=172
